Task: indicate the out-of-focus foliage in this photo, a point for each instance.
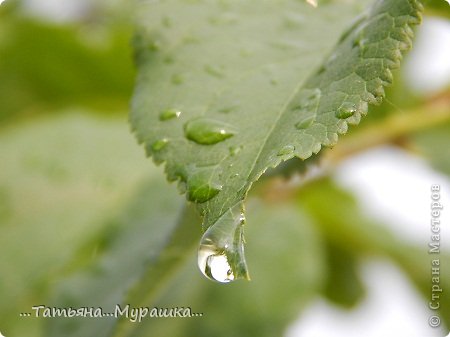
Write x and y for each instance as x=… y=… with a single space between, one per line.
x=45 y=66
x=60 y=180
x=84 y=217
x=431 y=142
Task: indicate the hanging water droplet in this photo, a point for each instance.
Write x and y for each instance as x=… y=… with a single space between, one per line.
x=160 y=144
x=169 y=114
x=305 y=122
x=346 y=110
x=201 y=187
x=288 y=149
x=207 y=131
x=221 y=251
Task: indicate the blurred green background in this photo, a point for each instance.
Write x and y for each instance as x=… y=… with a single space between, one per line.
x=83 y=212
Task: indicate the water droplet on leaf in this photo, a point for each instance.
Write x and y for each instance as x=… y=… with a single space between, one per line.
x=234 y=150
x=207 y=131
x=169 y=114
x=288 y=149
x=160 y=144
x=308 y=100
x=346 y=110
x=305 y=122
x=201 y=186
x=221 y=252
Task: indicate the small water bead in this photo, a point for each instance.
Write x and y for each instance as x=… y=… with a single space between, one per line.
x=160 y=144
x=305 y=122
x=208 y=131
x=234 y=150
x=346 y=110
x=360 y=42
x=227 y=109
x=307 y=101
x=221 y=251
x=200 y=189
x=169 y=114
x=288 y=149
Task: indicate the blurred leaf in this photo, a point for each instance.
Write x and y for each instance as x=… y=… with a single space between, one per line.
x=438 y=8
x=140 y=235
x=343 y=286
x=44 y=67
x=59 y=179
x=162 y=266
x=433 y=143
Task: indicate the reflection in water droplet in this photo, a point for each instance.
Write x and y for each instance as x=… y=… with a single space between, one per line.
x=201 y=187
x=160 y=144
x=221 y=251
x=288 y=149
x=207 y=131
x=305 y=122
x=169 y=114
x=346 y=110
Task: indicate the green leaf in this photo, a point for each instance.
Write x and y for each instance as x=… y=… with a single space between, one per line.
x=56 y=189
x=84 y=65
x=253 y=86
